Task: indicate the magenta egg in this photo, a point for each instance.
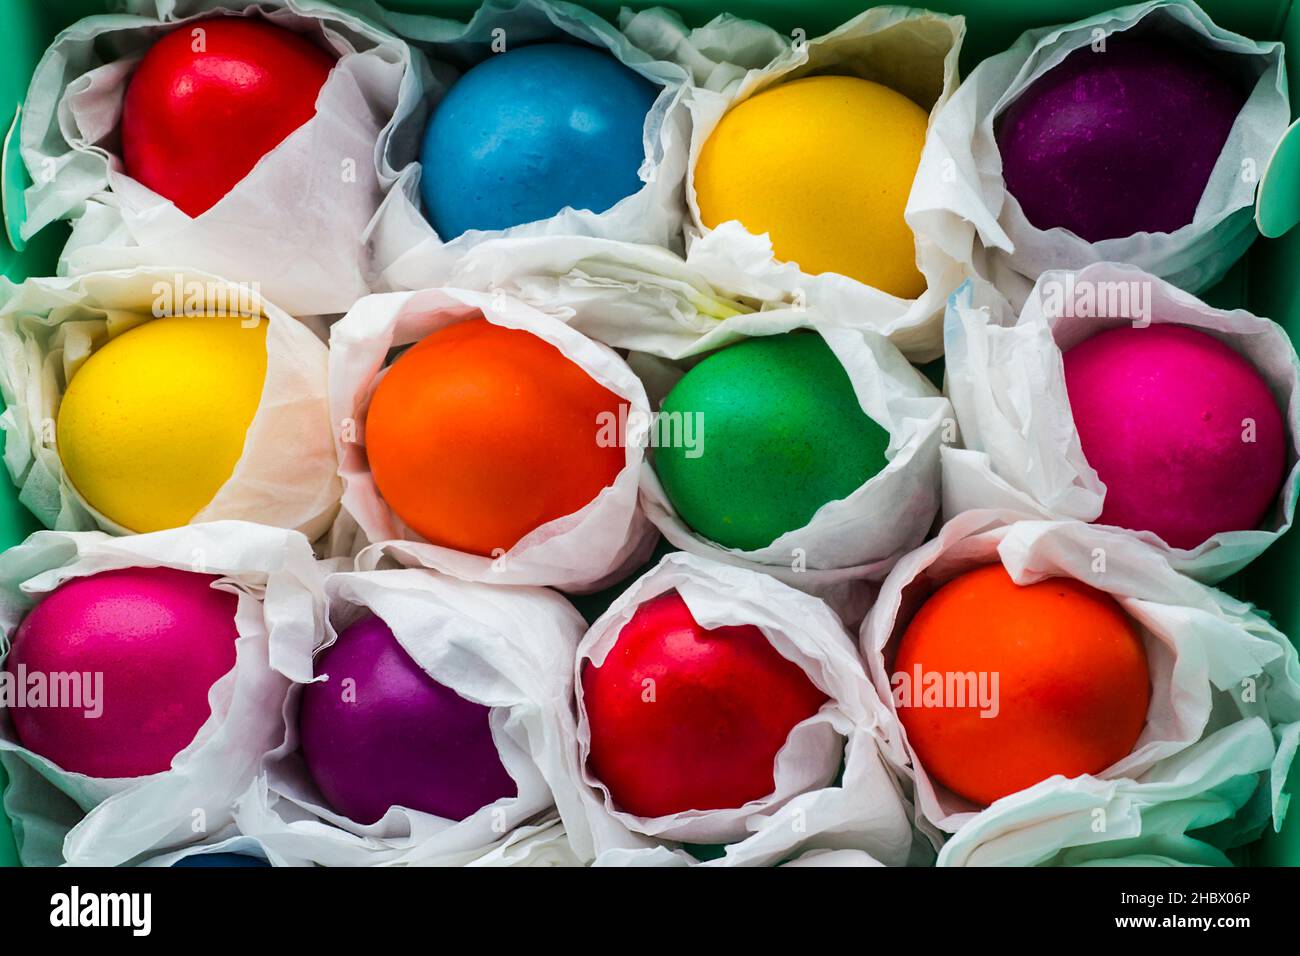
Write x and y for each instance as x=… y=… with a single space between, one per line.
x=1113 y=142
x=380 y=732
x=127 y=658
x=1183 y=431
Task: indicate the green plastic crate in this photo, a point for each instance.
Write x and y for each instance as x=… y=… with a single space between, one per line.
x=1267 y=282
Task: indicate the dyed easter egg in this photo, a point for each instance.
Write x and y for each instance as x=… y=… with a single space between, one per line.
x=724 y=701
x=160 y=637
x=479 y=434
x=210 y=99
x=1115 y=142
x=782 y=434
x=152 y=424
x=382 y=733
x=1182 y=430
x=527 y=133
x=824 y=166
x=1072 y=684
x=218 y=861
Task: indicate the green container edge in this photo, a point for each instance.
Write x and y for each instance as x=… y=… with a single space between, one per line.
x=1266 y=282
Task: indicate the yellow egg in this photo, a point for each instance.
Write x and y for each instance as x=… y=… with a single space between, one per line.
x=823 y=165
x=152 y=424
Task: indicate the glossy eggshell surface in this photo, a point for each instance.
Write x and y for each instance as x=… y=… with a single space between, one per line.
x=479 y=434
x=824 y=166
x=152 y=425
x=381 y=733
x=210 y=99
x=160 y=637
x=529 y=132
x=1072 y=683
x=1182 y=430
x=783 y=434
x=1120 y=141
x=684 y=718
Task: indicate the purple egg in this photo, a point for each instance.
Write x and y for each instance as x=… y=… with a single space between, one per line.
x=1108 y=144
x=394 y=736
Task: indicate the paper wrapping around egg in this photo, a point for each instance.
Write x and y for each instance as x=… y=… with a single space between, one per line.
x=1221 y=732
x=510 y=649
x=248 y=847
x=811 y=808
x=961 y=203
x=578 y=552
x=409 y=254
x=853 y=540
x=306 y=246
x=89 y=821
x=1020 y=449
x=285 y=477
x=911 y=52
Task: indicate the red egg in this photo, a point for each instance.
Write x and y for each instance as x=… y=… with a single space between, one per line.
x=685 y=718
x=212 y=98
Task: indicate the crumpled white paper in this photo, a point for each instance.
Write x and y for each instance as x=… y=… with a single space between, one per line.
x=1222 y=728
x=86 y=821
x=510 y=648
x=296 y=223
x=627 y=295
x=864 y=810
x=1020 y=449
x=912 y=51
x=582 y=551
x=409 y=254
x=859 y=537
x=543 y=844
x=236 y=843
x=960 y=201
x=286 y=475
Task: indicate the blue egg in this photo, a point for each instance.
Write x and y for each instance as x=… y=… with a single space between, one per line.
x=201 y=860
x=526 y=133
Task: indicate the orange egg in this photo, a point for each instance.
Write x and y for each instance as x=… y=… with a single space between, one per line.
x=1064 y=689
x=479 y=434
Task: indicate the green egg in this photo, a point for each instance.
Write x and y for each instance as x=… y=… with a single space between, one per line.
x=782 y=432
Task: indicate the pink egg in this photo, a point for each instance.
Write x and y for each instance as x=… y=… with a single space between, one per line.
x=153 y=639
x=1182 y=430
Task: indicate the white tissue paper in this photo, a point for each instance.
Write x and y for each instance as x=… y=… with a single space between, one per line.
x=1020 y=449
x=238 y=844
x=544 y=844
x=582 y=551
x=509 y=648
x=961 y=203
x=629 y=296
x=296 y=224
x=847 y=541
x=286 y=475
x=409 y=254
x=864 y=809
x=85 y=821
x=1222 y=728
x=914 y=52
